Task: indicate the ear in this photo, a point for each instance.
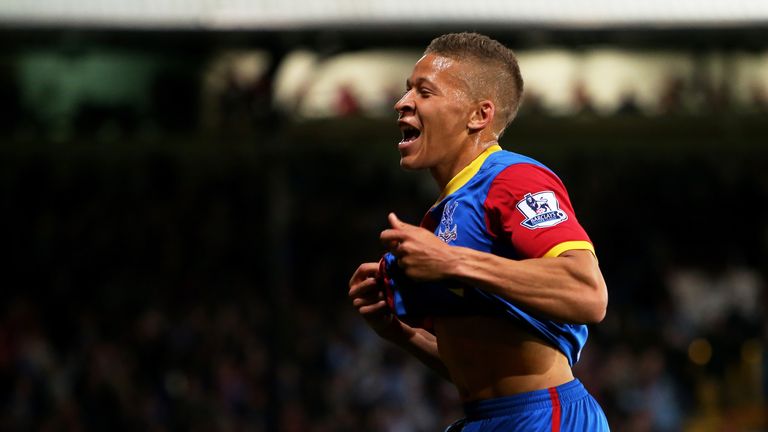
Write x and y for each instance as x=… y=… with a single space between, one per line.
x=482 y=116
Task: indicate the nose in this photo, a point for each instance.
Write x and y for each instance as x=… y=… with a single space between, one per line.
x=405 y=104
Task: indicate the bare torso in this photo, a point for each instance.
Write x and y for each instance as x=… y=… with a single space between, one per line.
x=490 y=357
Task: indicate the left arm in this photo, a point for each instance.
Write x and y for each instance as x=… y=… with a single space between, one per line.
x=568 y=288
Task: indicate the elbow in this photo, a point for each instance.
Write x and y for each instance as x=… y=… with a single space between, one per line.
x=597 y=314
x=592 y=295
x=593 y=313
x=597 y=293
x=599 y=303
x=589 y=289
x=590 y=304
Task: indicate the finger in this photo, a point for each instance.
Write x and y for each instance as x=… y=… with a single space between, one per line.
x=363 y=288
x=395 y=222
x=378 y=307
x=367 y=300
x=366 y=270
x=391 y=237
x=359 y=302
x=399 y=251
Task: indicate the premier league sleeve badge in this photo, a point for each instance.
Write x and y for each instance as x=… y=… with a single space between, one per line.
x=541 y=210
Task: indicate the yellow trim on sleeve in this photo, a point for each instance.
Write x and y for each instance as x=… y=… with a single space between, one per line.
x=569 y=245
x=467 y=172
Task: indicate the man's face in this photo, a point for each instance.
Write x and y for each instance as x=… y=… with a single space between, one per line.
x=433 y=114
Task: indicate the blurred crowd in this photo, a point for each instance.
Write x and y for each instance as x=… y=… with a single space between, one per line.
x=219 y=366
x=182 y=264
x=176 y=287
x=65 y=90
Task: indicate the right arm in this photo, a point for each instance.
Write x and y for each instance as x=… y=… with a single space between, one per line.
x=368 y=298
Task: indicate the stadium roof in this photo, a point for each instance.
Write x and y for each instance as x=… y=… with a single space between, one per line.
x=300 y=14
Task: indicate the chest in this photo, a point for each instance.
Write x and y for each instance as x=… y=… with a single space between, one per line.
x=460 y=220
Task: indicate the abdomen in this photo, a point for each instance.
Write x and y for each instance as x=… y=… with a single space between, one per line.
x=491 y=357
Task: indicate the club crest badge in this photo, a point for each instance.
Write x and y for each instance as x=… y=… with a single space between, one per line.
x=541 y=210
x=447 y=231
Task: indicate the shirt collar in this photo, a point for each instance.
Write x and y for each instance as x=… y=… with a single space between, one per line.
x=467 y=172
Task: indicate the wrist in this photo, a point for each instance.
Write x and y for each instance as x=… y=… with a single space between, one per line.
x=395 y=331
x=460 y=264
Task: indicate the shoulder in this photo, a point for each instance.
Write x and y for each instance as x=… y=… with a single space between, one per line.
x=527 y=186
x=509 y=158
x=515 y=174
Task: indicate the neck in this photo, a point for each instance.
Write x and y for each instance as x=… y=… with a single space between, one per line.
x=471 y=150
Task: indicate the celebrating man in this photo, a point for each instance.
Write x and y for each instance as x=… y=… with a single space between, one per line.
x=495 y=288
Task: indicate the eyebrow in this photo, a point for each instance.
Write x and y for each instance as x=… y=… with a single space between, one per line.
x=420 y=80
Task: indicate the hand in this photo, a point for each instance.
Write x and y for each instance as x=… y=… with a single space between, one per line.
x=420 y=254
x=369 y=299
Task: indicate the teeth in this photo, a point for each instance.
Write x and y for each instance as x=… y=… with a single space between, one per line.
x=410 y=134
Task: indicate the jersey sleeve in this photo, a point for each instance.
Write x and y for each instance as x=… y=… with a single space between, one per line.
x=528 y=207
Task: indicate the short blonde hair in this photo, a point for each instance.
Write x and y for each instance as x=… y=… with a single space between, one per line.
x=497 y=66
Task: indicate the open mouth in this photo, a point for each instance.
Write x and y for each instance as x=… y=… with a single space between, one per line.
x=410 y=133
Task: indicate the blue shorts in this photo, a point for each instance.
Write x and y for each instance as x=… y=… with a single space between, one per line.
x=566 y=408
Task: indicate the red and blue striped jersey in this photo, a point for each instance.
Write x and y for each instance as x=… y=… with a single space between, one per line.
x=508 y=205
